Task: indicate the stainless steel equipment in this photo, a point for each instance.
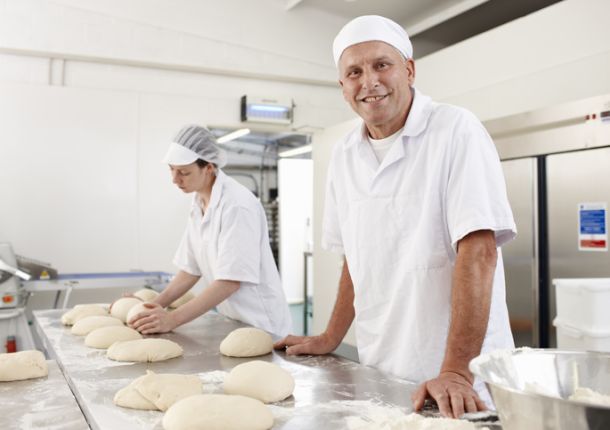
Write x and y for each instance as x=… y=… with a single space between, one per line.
x=21 y=277
x=553 y=159
x=530 y=388
x=10 y=276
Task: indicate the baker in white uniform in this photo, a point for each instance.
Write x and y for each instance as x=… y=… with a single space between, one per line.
x=226 y=242
x=416 y=202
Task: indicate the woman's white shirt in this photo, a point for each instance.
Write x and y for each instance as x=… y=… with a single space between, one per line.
x=230 y=241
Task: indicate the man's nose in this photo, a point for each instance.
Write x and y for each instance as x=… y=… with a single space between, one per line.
x=370 y=79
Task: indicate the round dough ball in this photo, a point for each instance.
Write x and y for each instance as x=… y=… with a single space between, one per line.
x=218 y=412
x=121 y=307
x=247 y=342
x=260 y=380
x=16 y=366
x=82 y=311
x=104 y=337
x=86 y=325
x=182 y=300
x=144 y=350
x=146 y=294
x=134 y=311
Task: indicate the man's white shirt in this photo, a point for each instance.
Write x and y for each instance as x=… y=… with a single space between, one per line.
x=398 y=223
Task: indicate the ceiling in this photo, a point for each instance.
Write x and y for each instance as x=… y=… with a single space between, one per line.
x=262 y=143
x=432 y=24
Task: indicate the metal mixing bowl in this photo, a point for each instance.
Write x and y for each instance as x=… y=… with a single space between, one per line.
x=530 y=388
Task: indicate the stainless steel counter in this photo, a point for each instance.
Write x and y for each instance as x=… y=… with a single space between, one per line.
x=41 y=403
x=329 y=391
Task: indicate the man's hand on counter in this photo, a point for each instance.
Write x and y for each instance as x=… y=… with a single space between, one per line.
x=453 y=394
x=307 y=345
x=154 y=320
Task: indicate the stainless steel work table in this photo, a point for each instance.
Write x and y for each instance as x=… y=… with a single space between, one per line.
x=329 y=389
x=42 y=403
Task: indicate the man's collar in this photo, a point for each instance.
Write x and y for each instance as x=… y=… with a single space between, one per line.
x=416 y=123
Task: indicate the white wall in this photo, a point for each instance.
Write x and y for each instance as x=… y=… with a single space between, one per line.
x=91 y=93
x=555 y=55
x=233 y=36
x=295 y=179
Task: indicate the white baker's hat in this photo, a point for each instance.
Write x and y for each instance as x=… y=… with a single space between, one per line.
x=194 y=142
x=368 y=28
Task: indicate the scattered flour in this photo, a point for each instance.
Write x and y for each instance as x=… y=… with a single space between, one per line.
x=412 y=421
x=378 y=417
x=589 y=396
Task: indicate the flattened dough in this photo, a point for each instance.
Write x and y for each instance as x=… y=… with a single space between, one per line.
x=144 y=350
x=146 y=294
x=158 y=391
x=16 y=366
x=104 y=337
x=182 y=300
x=121 y=307
x=218 y=412
x=247 y=342
x=260 y=380
x=129 y=397
x=86 y=325
x=82 y=311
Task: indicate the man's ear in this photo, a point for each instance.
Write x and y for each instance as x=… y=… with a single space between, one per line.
x=410 y=65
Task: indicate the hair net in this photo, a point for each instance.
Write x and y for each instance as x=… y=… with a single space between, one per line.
x=195 y=142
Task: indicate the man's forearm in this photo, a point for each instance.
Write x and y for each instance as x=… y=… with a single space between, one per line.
x=470 y=301
x=343 y=312
x=178 y=286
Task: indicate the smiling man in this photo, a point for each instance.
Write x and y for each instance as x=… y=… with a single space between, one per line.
x=416 y=202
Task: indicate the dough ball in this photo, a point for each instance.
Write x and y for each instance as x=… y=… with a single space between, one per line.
x=218 y=412
x=129 y=397
x=86 y=325
x=134 y=311
x=82 y=311
x=247 y=342
x=158 y=390
x=261 y=380
x=144 y=350
x=121 y=307
x=146 y=294
x=182 y=300
x=104 y=337
x=16 y=366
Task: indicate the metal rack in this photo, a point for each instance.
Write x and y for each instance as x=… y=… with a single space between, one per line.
x=273 y=222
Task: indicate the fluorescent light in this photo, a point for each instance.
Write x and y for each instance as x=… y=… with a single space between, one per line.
x=296 y=151
x=233 y=135
x=268 y=108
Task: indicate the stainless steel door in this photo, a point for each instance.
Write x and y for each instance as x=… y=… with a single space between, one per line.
x=573 y=178
x=520 y=254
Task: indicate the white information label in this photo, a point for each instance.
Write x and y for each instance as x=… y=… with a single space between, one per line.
x=592 y=227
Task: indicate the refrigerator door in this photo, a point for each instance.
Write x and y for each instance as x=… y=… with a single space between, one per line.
x=572 y=179
x=520 y=254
